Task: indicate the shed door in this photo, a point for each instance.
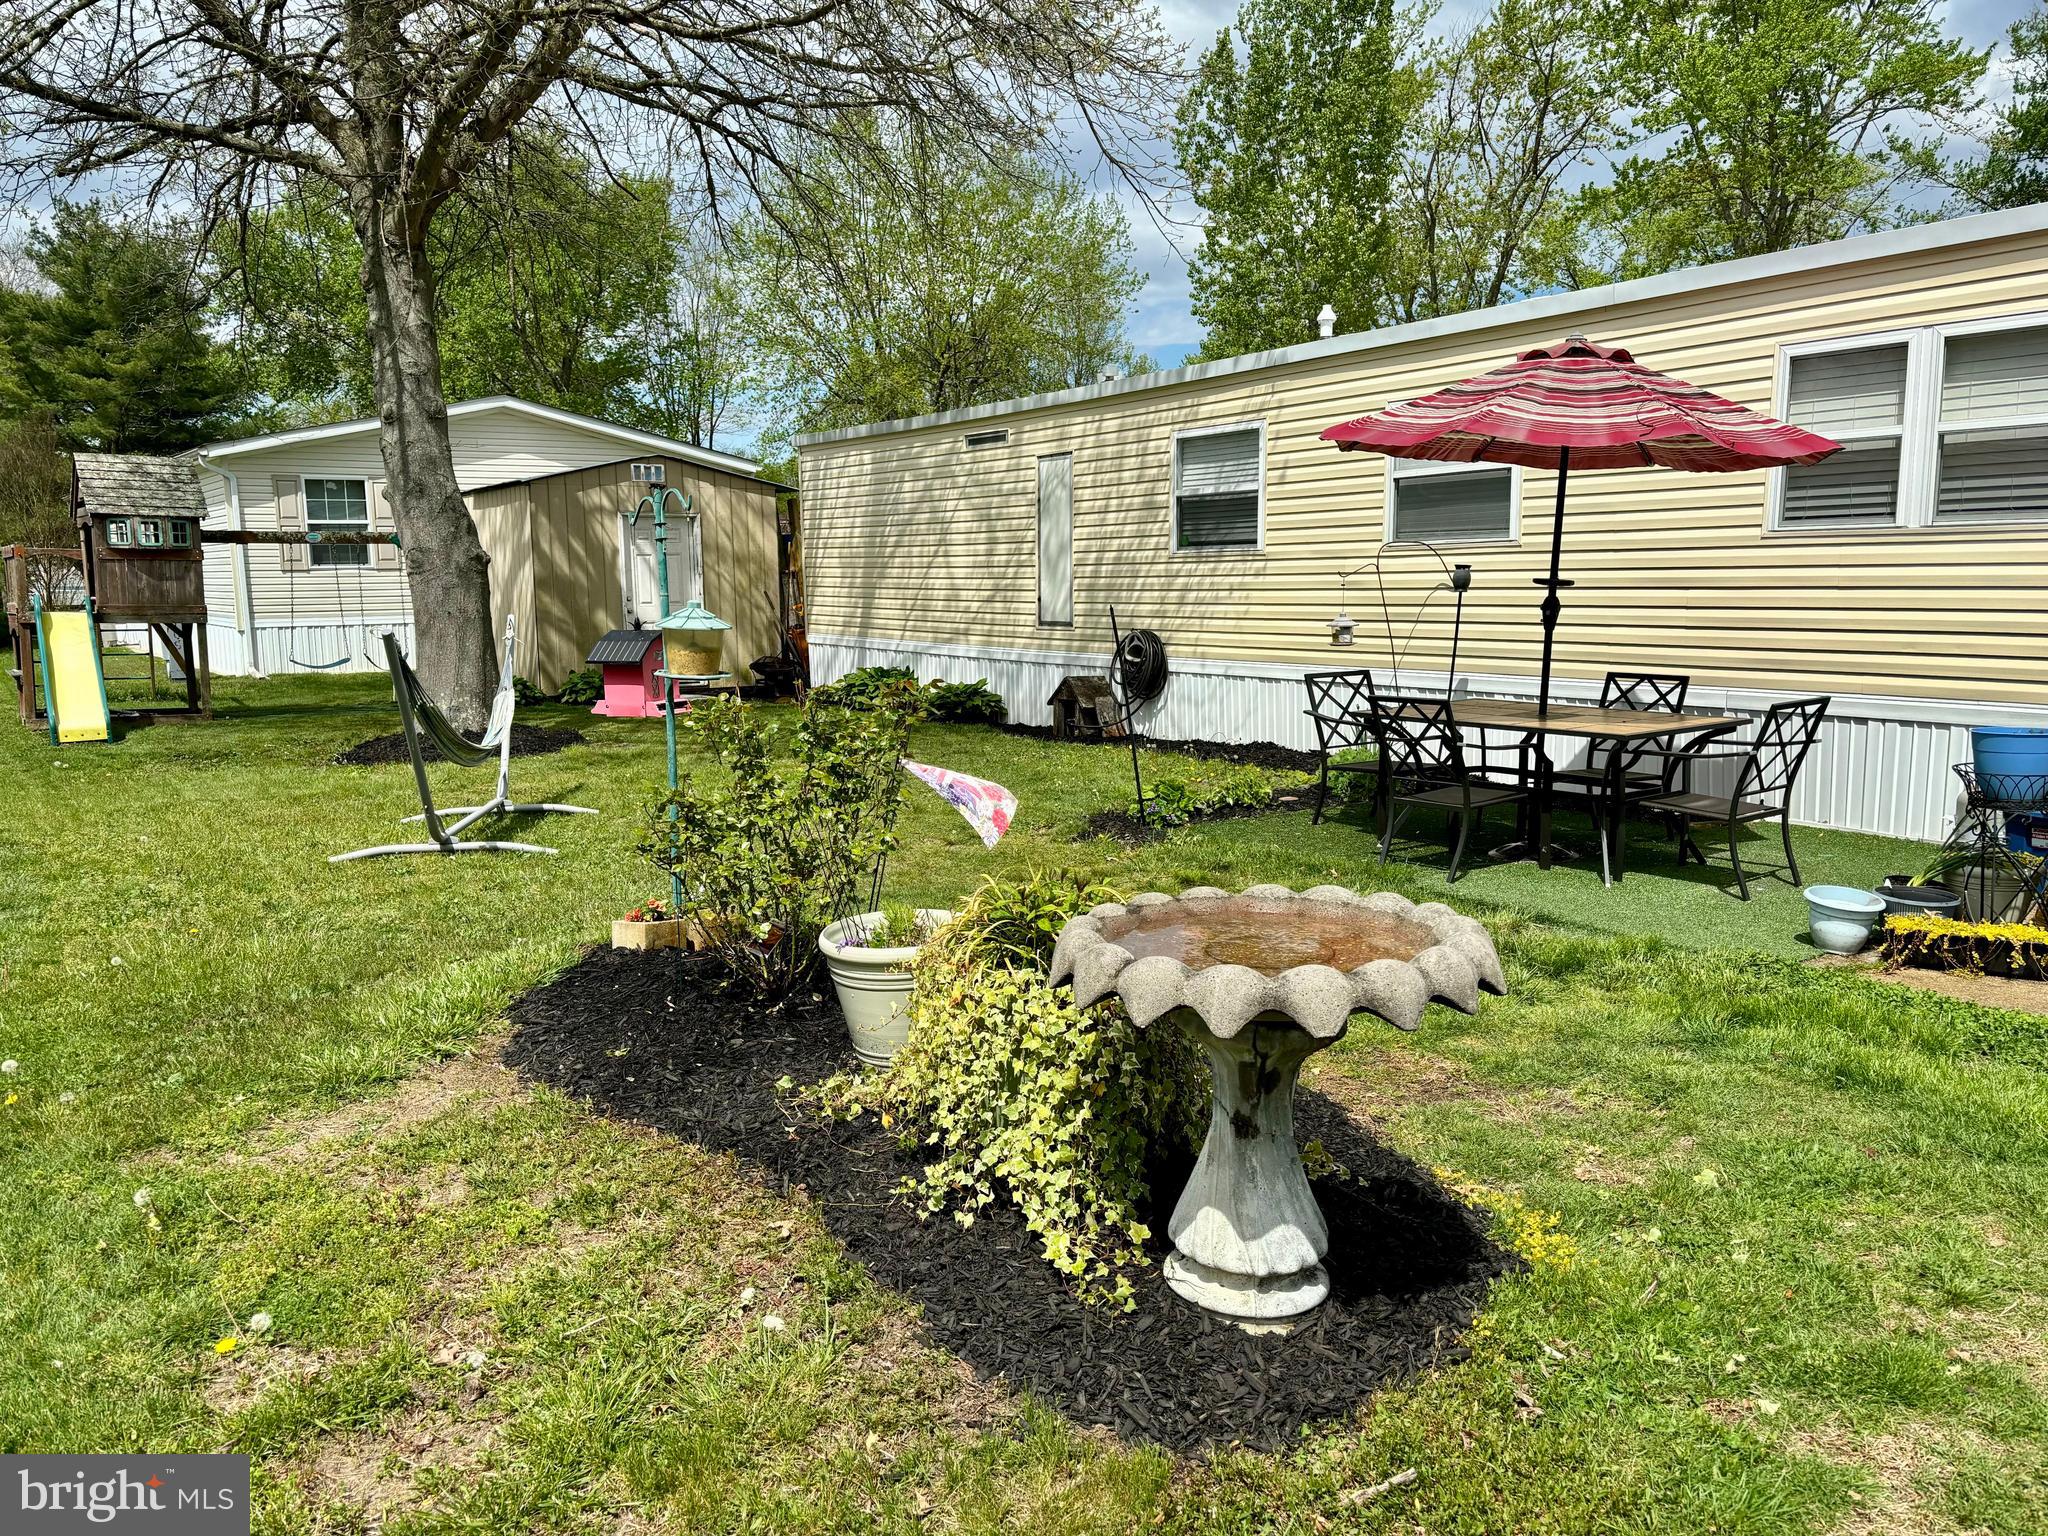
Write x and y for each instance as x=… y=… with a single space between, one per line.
x=1056 y=539
x=685 y=569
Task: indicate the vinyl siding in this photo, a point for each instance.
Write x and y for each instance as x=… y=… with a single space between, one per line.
x=562 y=535
x=912 y=536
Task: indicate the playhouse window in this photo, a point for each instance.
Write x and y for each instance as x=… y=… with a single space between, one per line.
x=149 y=532
x=181 y=534
x=338 y=506
x=118 y=533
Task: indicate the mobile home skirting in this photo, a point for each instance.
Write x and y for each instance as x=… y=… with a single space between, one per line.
x=1883 y=765
x=305 y=645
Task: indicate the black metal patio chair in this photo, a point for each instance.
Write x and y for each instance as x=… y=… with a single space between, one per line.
x=1769 y=767
x=1423 y=762
x=1340 y=707
x=1644 y=691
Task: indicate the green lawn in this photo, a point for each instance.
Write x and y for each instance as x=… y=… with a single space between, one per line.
x=1806 y=1293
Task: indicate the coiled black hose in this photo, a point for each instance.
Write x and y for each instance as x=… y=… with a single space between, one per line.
x=1139 y=667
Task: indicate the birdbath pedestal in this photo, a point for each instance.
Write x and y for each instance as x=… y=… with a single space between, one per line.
x=1260 y=981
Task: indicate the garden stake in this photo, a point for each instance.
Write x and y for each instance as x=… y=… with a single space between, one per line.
x=653 y=502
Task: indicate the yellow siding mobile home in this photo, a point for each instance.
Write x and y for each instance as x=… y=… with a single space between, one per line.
x=1907 y=577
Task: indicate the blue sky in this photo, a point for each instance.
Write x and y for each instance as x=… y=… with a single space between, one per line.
x=1165 y=327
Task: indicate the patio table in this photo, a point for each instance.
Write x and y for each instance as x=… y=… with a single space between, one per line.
x=1590 y=723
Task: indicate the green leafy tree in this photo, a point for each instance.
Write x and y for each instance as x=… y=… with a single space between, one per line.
x=548 y=272
x=112 y=340
x=2013 y=170
x=1483 y=205
x=919 y=274
x=1291 y=151
x=35 y=502
x=1778 y=123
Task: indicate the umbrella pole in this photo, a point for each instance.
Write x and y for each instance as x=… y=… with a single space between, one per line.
x=1551 y=603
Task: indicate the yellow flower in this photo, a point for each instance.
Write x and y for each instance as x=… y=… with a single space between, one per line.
x=13 y=1098
x=225 y=1346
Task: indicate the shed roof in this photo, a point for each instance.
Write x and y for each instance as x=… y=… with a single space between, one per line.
x=139 y=483
x=638 y=458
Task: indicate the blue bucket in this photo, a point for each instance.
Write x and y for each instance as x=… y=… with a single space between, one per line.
x=2007 y=756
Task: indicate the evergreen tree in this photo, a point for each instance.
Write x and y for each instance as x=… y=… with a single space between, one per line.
x=115 y=346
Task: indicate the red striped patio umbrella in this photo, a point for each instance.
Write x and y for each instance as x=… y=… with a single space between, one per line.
x=1579 y=406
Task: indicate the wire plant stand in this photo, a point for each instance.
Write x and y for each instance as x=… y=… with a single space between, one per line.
x=1979 y=856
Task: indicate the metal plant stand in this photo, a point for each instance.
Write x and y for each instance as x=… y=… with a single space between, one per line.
x=1981 y=831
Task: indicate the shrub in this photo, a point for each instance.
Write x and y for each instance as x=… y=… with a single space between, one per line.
x=525 y=692
x=1014 y=1093
x=771 y=856
x=865 y=687
x=582 y=687
x=1174 y=799
x=972 y=703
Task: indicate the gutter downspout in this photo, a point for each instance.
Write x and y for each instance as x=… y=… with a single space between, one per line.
x=245 y=592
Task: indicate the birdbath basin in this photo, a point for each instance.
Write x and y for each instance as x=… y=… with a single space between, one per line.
x=1260 y=980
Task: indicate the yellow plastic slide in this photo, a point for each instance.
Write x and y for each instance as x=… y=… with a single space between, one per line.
x=74 y=689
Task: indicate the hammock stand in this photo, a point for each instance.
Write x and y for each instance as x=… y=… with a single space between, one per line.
x=418 y=713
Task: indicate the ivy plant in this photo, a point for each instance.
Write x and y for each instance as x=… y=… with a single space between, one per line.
x=1013 y=1093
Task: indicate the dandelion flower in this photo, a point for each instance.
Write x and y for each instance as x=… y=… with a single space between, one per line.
x=225 y=1346
x=259 y=1323
x=10 y=1065
x=142 y=1200
x=115 y=960
x=773 y=1323
x=66 y=1097
x=747 y=1297
x=1767 y=1406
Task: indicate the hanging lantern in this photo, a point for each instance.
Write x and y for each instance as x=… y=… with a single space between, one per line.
x=691 y=639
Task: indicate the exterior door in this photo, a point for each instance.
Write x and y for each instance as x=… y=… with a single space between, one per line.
x=641 y=589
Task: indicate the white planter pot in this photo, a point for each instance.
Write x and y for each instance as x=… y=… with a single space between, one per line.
x=873 y=984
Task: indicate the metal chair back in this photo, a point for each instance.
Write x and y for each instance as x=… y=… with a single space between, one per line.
x=1784 y=737
x=1340 y=705
x=1645 y=691
x=1419 y=738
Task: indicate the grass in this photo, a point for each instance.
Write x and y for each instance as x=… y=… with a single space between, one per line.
x=1801 y=1289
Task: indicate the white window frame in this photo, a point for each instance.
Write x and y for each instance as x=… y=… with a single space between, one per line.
x=1920 y=429
x=306 y=480
x=1422 y=469
x=1213 y=551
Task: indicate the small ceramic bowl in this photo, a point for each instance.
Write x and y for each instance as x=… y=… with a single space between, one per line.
x=1840 y=917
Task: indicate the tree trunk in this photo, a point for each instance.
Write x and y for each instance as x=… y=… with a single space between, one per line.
x=446 y=568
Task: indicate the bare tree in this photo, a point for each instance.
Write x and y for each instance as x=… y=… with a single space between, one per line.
x=396 y=103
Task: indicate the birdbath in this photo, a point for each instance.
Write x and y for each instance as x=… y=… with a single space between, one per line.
x=1261 y=981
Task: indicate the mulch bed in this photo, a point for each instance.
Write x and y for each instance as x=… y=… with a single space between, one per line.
x=655 y=1039
x=1260 y=754
x=527 y=741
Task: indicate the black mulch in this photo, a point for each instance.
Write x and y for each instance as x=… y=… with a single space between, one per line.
x=1261 y=754
x=1125 y=828
x=527 y=741
x=1408 y=1264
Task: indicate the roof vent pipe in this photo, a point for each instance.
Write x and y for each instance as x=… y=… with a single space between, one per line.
x=1326 y=321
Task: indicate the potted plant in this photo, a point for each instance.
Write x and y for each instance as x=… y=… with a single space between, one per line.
x=870 y=956
x=651 y=925
x=1991 y=893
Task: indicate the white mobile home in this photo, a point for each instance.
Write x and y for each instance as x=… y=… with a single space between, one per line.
x=1907 y=576
x=550 y=491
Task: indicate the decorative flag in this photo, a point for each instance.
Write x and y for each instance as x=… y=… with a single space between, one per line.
x=988 y=807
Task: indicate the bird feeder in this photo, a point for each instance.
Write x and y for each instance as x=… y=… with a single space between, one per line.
x=691 y=640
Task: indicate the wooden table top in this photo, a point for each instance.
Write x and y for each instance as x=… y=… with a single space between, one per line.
x=1586 y=720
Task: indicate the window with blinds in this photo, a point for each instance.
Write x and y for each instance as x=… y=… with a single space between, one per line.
x=1217 y=478
x=1450 y=503
x=1992 y=457
x=1859 y=399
